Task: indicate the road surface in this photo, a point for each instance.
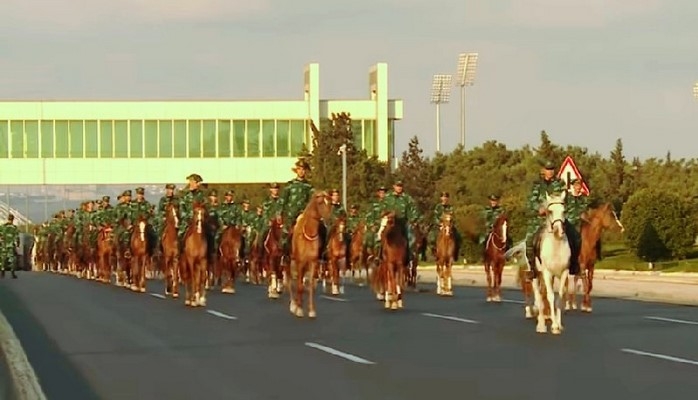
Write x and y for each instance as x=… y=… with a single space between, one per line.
x=87 y=340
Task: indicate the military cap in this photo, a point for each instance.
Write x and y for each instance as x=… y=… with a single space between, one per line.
x=301 y=163
x=170 y=186
x=140 y=190
x=10 y=217
x=398 y=183
x=246 y=201
x=445 y=194
x=213 y=192
x=126 y=193
x=230 y=192
x=549 y=165
x=195 y=177
x=354 y=207
x=274 y=186
x=333 y=191
x=382 y=189
x=493 y=197
x=106 y=198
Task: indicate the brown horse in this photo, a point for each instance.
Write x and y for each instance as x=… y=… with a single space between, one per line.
x=271 y=258
x=68 y=250
x=123 y=255
x=358 y=253
x=419 y=250
x=495 y=248
x=229 y=260
x=337 y=253
x=445 y=255
x=105 y=253
x=390 y=277
x=140 y=249
x=193 y=263
x=170 y=250
x=87 y=266
x=305 y=253
x=594 y=222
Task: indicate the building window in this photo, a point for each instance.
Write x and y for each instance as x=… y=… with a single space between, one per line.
x=297 y=137
x=283 y=129
x=208 y=139
x=165 y=139
x=268 y=133
x=136 y=139
x=17 y=139
x=391 y=140
x=62 y=139
x=106 y=139
x=180 y=139
x=4 y=140
x=239 y=142
x=121 y=139
x=194 y=139
x=224 y=138
x=76 y=139
x=47 y=139
x=91 y=139
x=31 y=137
x=253 y=131
x=150 y=139
x=369 y=136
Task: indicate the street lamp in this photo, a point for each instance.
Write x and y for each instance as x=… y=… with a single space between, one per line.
x=440 y=94
x=467 y=66
x=343 y=152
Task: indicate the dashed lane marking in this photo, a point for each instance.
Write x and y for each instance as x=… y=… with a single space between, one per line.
x=333 y=298
x=678 y=321
x=339 y=353
x=221 y=315
x=513 y=301
x=158 y=295
x=660 y=356
x=450 y=318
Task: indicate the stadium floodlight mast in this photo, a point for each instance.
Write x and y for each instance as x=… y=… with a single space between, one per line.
x=440 y=94
x=467 y=67
x=695 y=90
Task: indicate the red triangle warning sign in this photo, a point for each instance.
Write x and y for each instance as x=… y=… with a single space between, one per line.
x=569 y=171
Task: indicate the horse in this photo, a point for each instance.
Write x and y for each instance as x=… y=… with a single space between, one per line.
x=212 y=273
x=305 y=253
x=390 y=277
x=123 y=255
x=87 y=267
x=358 y=253
x=495 y=247
x=594 y=222
x=552 y=259
x=67 y=252
x=105 y=253
x=419 y=250
x=170 y=250
x=445 y=255
x=271 y=253
x=229 y=258
x=140 y=250
x=193 y=263
x=337 y=254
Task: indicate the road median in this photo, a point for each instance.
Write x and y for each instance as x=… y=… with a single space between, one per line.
x=22 y=378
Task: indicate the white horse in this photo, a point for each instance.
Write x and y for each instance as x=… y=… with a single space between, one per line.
x=552 y=263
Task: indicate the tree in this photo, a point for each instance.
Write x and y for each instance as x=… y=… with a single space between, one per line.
x=415 y=171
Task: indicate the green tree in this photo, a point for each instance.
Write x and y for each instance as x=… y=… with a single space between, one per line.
x=415 y=171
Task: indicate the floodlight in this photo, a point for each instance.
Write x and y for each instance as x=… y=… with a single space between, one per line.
x=695 y=90
x=441 y=89
x=467 y=66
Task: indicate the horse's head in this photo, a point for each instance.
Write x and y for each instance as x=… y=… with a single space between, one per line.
x=321 y=201
x=387 y=220
x=555 y=206
x=172 y=213
x=198 y=216
x=341 y=224
x=447 y=223
x=606 y=216
x=107 y=232
x=501 y=227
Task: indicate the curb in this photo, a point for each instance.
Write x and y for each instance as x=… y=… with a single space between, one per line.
x=23 y=378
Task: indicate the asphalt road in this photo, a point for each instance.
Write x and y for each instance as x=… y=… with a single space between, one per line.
x=87 y=340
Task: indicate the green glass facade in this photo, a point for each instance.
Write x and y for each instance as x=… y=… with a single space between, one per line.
x=152 y=138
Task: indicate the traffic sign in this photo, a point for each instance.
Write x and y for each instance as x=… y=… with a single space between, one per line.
x=569 y=171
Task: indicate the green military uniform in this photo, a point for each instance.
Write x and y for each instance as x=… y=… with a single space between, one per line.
x=229 y=212
x=186 y=204
x=406 y=213
x=439 y=211
x=294 y=198
x=248 y=221
x=271 y=207
x=121 y=214
x=576 y=205
x=140 y=207
x=214 y=220
x=162 y=206
x=353 y=220
x=489 y=215
x=373 y=219
x=9 y=235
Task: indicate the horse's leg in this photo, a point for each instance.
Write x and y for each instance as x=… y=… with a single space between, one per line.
x=449 y=276
x=562 y=294
x=388 y=287
x=498 y=280
x=588 y=284
x=334 y=271
x=548 y=278
x=300 y=271
x=176 y=275
x=145 y=267
x=312 y=312
x=399 y=286
x=203 y=274
x=488 y=272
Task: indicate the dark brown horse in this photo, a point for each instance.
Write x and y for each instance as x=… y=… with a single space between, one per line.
x=445 y=255
x=495 y=248
x=87 y=264
x=358 y=253
x=305 y=253
x=271 y=258
x=170 y=250
x=105 y=253
x=229 y=258
x=193 y=263
x=420 y=240
x=123 y=256
x=337 y=253
x=140 y=253
x=68 y=251
x=390 y=278
x=594 y=222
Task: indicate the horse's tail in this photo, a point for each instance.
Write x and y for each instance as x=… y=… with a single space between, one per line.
x=519 y=252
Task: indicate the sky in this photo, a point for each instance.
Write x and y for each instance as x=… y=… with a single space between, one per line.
x=586 y=71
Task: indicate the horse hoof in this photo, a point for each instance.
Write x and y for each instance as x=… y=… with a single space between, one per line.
x=202 y=302
x=380 y=297
x=142 y=290
x=489 y=299
x=399 y=304
x=299 y=312
x=312 y=314
x=292 y=307
x=542 y=330
x=497 y=299
x=556 y=331
x=187 y=303
x=387 y=305
x=393 y=306
x=587 y=309
x=175 y=295
x=134 y=288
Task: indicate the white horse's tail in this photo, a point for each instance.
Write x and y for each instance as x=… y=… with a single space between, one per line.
x=518 y=251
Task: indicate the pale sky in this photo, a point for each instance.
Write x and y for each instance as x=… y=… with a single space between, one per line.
x=586 y=71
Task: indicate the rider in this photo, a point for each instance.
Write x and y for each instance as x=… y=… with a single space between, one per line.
x=373 y=219
x=490 y=214
x=165 y=200
x=9 y=240
x=548 y=183
x=215 y=219
x=294 y=199
x=577 y=204
x=353 y=220
x=271 y=207
x=122 y=213
x=440 y=209
x=406 y=213
x=248 y=221
x=191 y=195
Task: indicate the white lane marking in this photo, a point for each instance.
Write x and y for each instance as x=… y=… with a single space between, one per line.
x=678 y=321
x=660 y=356
x=338 y=353
x=450 y=318
x=333 y=298
x=158 y=295
x=513 y=301
x=221 y=315
x=20 y=372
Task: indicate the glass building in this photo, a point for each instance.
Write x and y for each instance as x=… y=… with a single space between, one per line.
x=155 y=142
